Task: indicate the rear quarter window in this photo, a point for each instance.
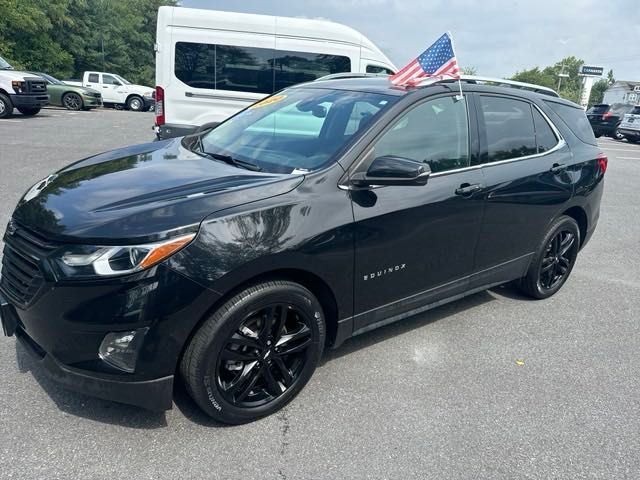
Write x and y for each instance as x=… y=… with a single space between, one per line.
x=576 y=120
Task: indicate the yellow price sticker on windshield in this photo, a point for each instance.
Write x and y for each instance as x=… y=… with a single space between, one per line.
x=268 y=101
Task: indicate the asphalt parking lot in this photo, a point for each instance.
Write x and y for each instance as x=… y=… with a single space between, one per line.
x=492 y=386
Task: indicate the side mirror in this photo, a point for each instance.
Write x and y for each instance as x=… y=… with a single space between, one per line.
x=390 y=170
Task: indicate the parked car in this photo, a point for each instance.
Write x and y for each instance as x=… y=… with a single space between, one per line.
x=212 y=64
x=117 y=91
x=20 y=90
x=605 y=119
x=235 y=256
x=70 y=96
x=630 y=126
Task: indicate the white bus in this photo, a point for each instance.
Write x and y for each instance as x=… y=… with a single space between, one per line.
x=211 y=64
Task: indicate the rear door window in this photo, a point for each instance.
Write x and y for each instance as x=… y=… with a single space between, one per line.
x=598 y=109
x=509 y=128
x=93 y=78
x=545 y=138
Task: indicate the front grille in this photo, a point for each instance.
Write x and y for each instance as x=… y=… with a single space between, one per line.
x=21 y=272
x=35 y=85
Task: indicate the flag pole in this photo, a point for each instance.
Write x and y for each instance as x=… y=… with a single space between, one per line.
x=458 y=97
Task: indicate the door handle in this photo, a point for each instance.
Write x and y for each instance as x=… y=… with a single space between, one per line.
x=467 y=189
x=558 y=168
x=105 y=86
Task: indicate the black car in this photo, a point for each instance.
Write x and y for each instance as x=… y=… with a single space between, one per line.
x=605 y=119
x=234 y=257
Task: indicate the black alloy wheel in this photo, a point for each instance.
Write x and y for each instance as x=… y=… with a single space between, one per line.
x=553 y=262
x=255 y=352
x=556 y=261
x=264 y=356
x=72 y=101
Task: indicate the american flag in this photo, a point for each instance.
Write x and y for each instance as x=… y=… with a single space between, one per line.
x=439 y=60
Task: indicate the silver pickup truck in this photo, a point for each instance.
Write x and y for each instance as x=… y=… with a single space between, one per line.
x=630 y=126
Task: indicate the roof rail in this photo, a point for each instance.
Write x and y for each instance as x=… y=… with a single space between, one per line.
x=497 y=81
x=334 y=76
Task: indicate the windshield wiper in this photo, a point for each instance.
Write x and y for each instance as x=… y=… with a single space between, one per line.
x=198 y=147
x=233 y=161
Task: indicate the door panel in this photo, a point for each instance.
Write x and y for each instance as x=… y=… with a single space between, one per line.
x=524 y=194
x=416 y=244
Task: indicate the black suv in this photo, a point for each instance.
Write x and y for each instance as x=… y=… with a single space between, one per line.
x=605 y=119
x=235 y=256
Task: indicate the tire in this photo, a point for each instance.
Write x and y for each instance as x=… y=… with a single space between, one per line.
x=72 y=101
x=6 y=107
x=29 y=111
x=135 y=103
x=557 y=255
x=234 y=366
x=616 y=135
x=597 y=135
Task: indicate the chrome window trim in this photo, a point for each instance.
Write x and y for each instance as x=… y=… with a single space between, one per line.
x=344 y=183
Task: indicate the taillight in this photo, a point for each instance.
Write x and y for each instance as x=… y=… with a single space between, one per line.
x=602 y=162
x=607 y=115
x=159 y=105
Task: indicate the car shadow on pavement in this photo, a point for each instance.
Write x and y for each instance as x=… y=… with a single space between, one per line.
x=91 y=408
x=368 y=339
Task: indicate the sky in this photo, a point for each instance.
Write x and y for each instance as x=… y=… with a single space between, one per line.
x=498 y=37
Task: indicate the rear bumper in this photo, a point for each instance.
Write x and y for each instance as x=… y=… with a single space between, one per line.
x=29 y=100
x=168 y=130
x=629 y=133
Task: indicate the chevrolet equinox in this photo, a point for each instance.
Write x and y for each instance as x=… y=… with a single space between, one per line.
x=231 y=258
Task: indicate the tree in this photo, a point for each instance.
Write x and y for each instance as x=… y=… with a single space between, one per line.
x=66 y=37
x=469 y=70
x=597 y=92
x=548 y=77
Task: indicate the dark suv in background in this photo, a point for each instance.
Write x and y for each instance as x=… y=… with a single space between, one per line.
x=605 y=119
x=235 y=256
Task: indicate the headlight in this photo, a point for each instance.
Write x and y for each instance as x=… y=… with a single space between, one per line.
x=18 y=85
x=148 y=95
x=108 y=261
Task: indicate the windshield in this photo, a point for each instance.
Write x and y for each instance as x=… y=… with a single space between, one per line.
x=50 y=79
x=298 y=129
x=124 y=81
x=4 y=64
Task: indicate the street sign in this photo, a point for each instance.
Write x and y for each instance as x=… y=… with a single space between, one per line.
x=595 y=71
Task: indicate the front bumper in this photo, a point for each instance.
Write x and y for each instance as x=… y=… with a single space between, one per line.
x=91 y=101
x=29 y=100
x=64 y=325
x=148 y=102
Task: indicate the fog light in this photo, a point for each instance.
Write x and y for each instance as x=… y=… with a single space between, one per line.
x=120 y=349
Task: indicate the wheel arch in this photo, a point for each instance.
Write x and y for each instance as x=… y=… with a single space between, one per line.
x=126 y=101
x=580 y=216
x=314 y=283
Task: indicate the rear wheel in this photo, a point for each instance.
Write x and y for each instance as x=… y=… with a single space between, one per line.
x=617 y=135
x=256 y=352
x=6 y=107
x=72 y=101
x=553 y=262
x=29 y=111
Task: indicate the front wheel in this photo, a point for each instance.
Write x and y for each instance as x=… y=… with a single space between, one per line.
x=72 y=101
x=553 y=262
x=256 y=352
x=617 y=135
x=135 y=103
x=6 y=107
x=29 y=111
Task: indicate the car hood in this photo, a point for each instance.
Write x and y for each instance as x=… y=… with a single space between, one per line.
x=140 y=89
x=140 y=194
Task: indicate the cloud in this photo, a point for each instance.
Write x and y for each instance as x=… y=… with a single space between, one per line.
x=498 y=37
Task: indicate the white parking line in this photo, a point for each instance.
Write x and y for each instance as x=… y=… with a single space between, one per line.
x=628 y=158
x=621 y=149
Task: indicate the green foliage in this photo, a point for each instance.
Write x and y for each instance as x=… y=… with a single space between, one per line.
x=548 y=77
x=469 y=70
x=597 y=91
x=66 y=37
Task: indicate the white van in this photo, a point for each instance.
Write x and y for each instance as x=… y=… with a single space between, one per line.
x=211 y=64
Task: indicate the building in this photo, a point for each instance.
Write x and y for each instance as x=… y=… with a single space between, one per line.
x=622 y=92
